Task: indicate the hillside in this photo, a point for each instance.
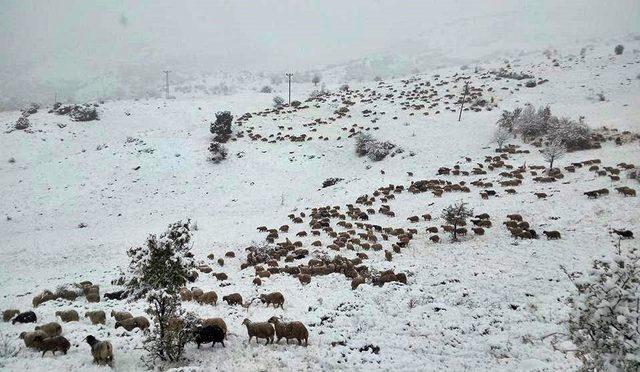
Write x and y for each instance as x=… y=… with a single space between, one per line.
x=484 y=303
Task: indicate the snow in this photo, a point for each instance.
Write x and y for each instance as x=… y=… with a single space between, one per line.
x=483 y=303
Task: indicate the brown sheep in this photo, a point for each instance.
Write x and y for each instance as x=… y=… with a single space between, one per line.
x=275 y=298
x=97 y=316
x=432 y=229
x=259 y=330
x=388 y=256
x=132 y=323
x=552 y=234
x=29 y=337
x=478 y=230
x=185 y=294
x=413 y=219
x=257 y=281
x=102 y=351
x=524 y=225
x=7 y=315
x=515 y=217
x=51 y=329
x=68 y=315
x=288 y=330
x=233 y=299
x=355 y=282
x=120 y=315
x=53 y=344
x=434 y=238
x=626 y=191
x=304 y=278
x=43 y=297
x=209 y=298
x=196 y=293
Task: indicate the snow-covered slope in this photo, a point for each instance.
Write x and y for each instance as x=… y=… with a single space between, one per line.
x=483 y=303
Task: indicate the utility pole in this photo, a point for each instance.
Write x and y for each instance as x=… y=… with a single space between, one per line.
x=464 y=95
x=166 y=86
x=289 y=75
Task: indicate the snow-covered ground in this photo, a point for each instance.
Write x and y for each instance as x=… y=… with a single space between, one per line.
x=483 y=303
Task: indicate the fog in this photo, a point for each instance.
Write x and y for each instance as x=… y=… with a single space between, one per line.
x=49 y=47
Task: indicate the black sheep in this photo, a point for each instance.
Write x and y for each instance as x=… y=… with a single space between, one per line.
x=118 y=295
x=211 y=333
x=627 y=234
x=26 y=317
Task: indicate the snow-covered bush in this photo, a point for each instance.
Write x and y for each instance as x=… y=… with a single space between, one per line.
x=32 y=109
x=217 y=152
x=508 y=119
x=604 y=323
x=22 y=123
x=266 y=89
x=344 y=87
x=84 y=113
x=316 y=79
x=507 y=74
x=500 y=136
x=619 y=49
x=163 y=263
x=553 y=151
x=278 y=101
x=456 y=215
x=221 y=128
x=374 y=149
x=573 y=135
x=172 y=328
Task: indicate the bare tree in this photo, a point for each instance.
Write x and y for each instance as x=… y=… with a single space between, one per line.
x=554 y=151
x=500 y=136
x=456 y=215
x=316 y=79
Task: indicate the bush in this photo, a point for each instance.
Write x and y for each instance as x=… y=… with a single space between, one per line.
x=573 y=135
x=316 y=79
x=221 y=128
x=278 y=101
x=22 y=123
x=331 y=181
x=266 y=89
x=604 y=323
x=32 y=109
x=506 y=74
x=162 y=264
x=217 y=152
x=619 y=49
x=172 y=328
x=344 y=87
x=84 y=113
x=374 y=149
x=456 y=215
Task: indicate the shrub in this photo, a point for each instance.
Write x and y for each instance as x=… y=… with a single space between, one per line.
x=172 y=328
x=84 y=113
x=217 y=152
x=278 y=101
x=506 y=74
x=500 y=136
x=619 y=49
x=553 y=151
x=221 y=128
x=163 y=263
x=266 y=89
x=32 y=109
x=573 y=135
x=344 y=87
x=316 y=79
x=456 y=215
x=295 y=103
x=374 y=149
x=604 y=323
x=530 y=84
x=22 y=123
x=331 y=181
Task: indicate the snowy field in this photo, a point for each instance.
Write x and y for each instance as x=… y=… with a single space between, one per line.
x=485 y=303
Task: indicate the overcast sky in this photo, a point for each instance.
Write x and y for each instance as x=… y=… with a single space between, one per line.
x=49 y=41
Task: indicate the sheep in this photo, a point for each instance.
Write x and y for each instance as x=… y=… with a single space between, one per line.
x=215 y=322
x=626 y=234
x=51 y=329
x=259 y=330
x=68 y=316
x=233 y=299
x=97 y=316
x=288 y=330
x=185 y=294
x=515 y=217
x=118 y=295
x=7 y=315
x=209 y=297
x=355 y=282
x=53 y=344
x=102 y=351
x=552 y=234
x=304 y=278
x=434 y=238
x=257 y=281
x=275 y=298
x=478 y=230
x=29 y=337
x=92 y=293
x=626 y=191
x=43 y=297
x=133 y=323
x=26 y=317
x=121 y=315
x=196 y=293
x=210 y=333
x=591 y=194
